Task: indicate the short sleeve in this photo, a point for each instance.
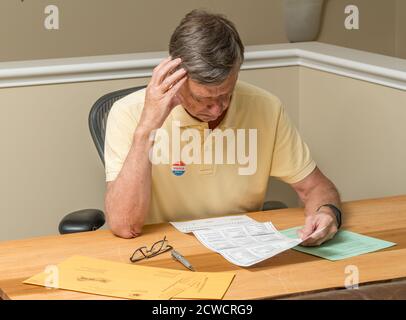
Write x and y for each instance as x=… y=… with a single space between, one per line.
x=291 y=160
x=119 y=137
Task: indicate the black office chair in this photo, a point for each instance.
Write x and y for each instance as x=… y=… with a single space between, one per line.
x=93 y=219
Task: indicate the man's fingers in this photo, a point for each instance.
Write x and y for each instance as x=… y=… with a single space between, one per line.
x=165 y=69
x=311 y=242
x=172 y=91
x=157 y=68
x=170 y=94
x=307 y=229
x=308 y=242
x=170 y=81
x=317 y=238
x=162 y=63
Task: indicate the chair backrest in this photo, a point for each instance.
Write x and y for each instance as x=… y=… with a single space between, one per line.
x=99 y=113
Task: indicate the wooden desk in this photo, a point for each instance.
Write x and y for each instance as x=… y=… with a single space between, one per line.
x=287 y=274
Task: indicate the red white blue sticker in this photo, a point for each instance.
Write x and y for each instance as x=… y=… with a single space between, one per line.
x=178 y=168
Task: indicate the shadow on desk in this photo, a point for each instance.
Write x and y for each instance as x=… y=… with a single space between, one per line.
x=391 y=290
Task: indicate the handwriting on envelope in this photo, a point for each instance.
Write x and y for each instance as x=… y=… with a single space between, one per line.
x=115 y=279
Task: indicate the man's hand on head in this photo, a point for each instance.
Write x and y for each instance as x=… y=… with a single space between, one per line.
x=160 y=97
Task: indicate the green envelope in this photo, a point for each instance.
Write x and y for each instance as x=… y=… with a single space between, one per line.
x=344 y=245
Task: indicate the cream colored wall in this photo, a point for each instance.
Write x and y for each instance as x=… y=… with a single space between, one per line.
x=377 y=30
x=356 y=131
x=49 y=165
x=98 y=27
x=382 y=26
x=401 y=29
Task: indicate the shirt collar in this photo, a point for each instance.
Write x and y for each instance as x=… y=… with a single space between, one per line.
x=179 y=114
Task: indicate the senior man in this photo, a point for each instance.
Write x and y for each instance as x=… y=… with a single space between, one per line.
x=162 y=163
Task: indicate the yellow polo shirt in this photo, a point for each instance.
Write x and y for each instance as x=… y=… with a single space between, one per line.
x=207 y=189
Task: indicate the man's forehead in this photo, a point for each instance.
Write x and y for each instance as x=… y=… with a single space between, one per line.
x=201 y=90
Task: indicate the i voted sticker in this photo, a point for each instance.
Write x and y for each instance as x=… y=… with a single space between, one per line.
x=178 y=168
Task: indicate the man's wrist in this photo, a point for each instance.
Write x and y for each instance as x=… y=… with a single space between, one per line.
x=335 y=211
x=142 y=133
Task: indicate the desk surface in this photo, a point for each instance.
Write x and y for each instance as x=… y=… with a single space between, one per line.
x=286 y=274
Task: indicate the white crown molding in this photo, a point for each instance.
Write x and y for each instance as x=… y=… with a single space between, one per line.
x=374 y=68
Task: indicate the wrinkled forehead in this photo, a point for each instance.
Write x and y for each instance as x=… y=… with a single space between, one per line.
x=211 y=91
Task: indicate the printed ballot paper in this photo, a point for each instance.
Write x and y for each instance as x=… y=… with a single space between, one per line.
x=115 y=279
x=199 y=224
x=247 y=244
x=239 y=239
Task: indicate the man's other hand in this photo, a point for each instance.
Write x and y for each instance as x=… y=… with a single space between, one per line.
x=319 y=228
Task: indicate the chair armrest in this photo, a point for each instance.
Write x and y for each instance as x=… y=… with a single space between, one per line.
x=273 y=205
x=82 y=220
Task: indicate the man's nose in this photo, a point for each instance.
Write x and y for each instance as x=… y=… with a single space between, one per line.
x=215 y=108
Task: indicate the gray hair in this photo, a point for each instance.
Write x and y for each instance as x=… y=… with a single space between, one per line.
x=209 y=46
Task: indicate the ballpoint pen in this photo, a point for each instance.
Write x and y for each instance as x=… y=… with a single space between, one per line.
x=178 y=257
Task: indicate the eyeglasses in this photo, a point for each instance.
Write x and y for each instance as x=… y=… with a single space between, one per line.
x=157 y=248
